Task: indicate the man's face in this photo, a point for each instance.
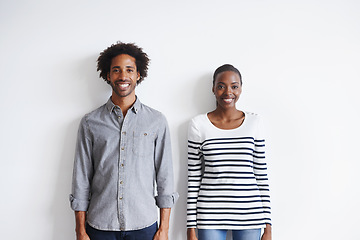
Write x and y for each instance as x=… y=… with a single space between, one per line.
x=123 y=75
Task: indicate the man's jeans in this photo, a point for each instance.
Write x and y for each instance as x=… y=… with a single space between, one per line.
x=142 y=234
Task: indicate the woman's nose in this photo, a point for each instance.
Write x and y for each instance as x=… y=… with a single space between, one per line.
x=228 y=90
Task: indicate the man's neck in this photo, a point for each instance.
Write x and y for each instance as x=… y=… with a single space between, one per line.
x=123 y=102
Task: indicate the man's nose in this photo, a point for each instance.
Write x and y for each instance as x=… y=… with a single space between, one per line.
x=122 y=75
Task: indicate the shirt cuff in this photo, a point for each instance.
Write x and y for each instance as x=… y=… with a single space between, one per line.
x=167 y=201
x=78 y=205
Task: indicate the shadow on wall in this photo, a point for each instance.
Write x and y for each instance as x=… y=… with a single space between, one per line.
x=94 y=88
x=63 y=216
x=201 y=101
x=179 y=215
x=93 y=93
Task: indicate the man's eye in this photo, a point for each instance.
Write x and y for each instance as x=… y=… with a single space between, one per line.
x=235 y=87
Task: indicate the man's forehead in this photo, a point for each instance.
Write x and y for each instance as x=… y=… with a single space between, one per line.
x=123 y=60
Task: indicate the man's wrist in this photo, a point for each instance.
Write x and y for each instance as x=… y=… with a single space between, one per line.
x=164 y=227
x=80 y=231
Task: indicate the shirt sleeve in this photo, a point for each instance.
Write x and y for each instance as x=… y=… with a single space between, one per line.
x=260 y=170
x=166 y=197
x=83 y=170
x=194 y=173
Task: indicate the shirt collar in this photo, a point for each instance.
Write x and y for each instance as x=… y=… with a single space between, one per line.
x=135 y=107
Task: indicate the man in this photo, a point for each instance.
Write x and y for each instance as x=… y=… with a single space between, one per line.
x=123 y=157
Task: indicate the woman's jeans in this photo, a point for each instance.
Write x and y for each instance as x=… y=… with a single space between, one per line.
x=217 y=234
x=142 y=234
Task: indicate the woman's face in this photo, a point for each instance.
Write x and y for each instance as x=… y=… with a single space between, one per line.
x=227 y=89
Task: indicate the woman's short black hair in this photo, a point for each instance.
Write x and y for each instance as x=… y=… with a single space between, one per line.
x=141 y=59
x=224 y=68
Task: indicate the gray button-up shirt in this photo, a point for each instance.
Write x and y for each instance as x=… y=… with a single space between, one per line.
x=123 y=167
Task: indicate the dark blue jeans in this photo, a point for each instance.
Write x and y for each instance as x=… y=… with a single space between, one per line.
x=143 y=234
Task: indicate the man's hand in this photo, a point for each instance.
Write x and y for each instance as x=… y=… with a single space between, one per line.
x=82 y=236
x=80 y=226
x=161 y=235
x=163 y=232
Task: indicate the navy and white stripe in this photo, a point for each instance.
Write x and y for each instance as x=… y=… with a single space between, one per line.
x=227 y=176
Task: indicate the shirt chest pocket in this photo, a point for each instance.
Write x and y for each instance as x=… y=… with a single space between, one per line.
x=143 y=144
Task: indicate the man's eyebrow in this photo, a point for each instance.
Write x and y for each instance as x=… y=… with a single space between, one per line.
x=126 y=67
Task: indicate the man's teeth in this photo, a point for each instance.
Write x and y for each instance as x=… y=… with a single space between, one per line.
x=124 y=85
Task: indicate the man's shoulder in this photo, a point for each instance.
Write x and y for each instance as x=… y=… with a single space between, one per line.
x=151 y=112
x=95 y=113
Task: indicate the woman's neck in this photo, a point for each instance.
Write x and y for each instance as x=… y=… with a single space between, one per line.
x=226 y=119
x=226 y=114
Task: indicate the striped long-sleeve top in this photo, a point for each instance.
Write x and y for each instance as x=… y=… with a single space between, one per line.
x=227 y=176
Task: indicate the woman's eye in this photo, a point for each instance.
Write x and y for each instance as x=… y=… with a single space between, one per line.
x=235 y=87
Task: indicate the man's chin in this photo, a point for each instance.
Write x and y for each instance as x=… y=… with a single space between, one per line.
x=123 y=94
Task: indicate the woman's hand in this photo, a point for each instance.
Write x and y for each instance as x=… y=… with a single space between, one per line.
x=267 y=233
x=191 y=234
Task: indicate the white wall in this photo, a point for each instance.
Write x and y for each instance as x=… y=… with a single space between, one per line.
x=300 y=65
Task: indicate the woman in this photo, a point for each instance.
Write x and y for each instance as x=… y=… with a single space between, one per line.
x=227 y=174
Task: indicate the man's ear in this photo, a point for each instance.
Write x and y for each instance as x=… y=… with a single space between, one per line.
x=108 y=78
x=138 y=76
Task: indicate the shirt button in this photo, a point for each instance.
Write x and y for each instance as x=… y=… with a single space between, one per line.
x=122 y=165
x=124 y=133
x=145 y=134
x=122 y=148
x=120 y=198
x=121 y=182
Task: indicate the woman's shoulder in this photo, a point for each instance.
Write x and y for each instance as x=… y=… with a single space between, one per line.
x=199 y=122
x=251 y=115
x=199 y=118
